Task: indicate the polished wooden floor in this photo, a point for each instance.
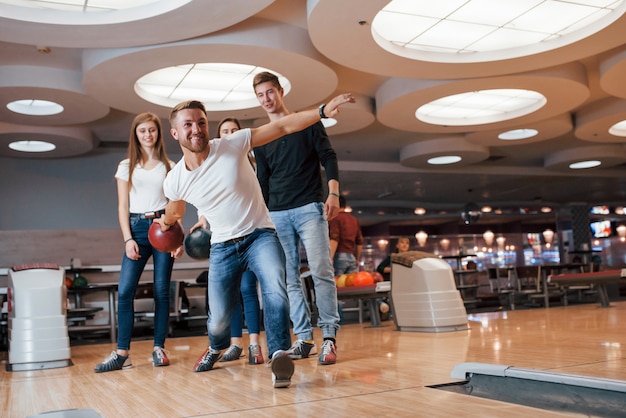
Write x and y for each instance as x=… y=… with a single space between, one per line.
x=381 y=372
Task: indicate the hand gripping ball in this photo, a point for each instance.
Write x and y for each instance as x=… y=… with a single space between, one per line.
x=166 y=241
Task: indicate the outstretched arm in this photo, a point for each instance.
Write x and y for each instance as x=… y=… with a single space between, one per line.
x=295 y=122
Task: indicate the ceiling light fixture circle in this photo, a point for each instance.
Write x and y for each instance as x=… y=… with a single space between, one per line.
x=32 y=146
x=480 y=107
x=518 y=134
x=35 y=107
x=585 y=164
x=477 y=31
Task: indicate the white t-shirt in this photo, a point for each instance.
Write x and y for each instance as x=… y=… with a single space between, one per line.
x=146 y=194
x=224 y=188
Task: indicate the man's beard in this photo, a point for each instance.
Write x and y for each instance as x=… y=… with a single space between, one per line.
x=196 y=145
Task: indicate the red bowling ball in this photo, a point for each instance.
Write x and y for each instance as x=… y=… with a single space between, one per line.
x=166 y=241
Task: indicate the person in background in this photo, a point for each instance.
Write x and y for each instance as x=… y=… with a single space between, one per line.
x=249 y=293
x=346 y=240
x=216 y=177
x=402 y=245
x=141 y=200
x=289 y=172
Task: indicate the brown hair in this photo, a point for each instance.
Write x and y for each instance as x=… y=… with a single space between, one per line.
x=223 y=121
x=264 y=77
x=135 y=154
x=189 y=104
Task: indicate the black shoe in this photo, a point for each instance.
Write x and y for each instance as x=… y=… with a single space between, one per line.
x=114 y=362
x=207 y=360
x=232 y=353
x=301 y=349
x=282 y=369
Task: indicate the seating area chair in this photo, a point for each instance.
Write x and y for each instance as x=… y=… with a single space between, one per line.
x=503 y=282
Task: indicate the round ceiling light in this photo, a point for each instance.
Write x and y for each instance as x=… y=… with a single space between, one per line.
x=478 y=31
x=32 y=146
x=480 y=107
x=619 y=129
x=220 y=86
x=517 y=134
x=444 y=159
x=35 y=107
x=584 y=164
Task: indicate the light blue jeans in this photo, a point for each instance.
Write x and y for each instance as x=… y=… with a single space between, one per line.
x=261 y=253
x=345 y=263
x=307 y=225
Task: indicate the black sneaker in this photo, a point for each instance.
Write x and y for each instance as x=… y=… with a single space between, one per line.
x=301 y=349
x=207 y=360
x=255 y=355
x=114 y=362
x=282 y=369
x=232 y=353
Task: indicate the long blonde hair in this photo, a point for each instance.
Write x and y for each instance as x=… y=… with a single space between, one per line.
x=134 y=148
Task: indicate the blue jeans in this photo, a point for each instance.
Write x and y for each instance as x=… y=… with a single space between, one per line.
x=130 y=273
x=250 y=305
x=345 y=263
x=259 y=252
x=308 y=225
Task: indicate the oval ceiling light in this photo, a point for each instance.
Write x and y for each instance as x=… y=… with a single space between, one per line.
x=32 y=146
x=619 y=129
x=35 y=107
x=80 y=6
x=419 y=211
x=220 y=86
x=480 y=107
x=585 y=164
x=479 y=31
x=442 y=151
x=517 y=134
x=444 y=159
x=606 y=155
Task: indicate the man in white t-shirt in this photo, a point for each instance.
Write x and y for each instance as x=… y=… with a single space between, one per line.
x=216 y=177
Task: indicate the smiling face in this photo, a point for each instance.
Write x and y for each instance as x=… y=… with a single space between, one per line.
x=190 y=128
x=147 y=134
x=270 y=97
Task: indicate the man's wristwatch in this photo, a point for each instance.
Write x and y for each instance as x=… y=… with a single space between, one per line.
x=322 y=114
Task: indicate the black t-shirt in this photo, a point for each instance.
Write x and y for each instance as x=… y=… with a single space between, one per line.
x=289 y=169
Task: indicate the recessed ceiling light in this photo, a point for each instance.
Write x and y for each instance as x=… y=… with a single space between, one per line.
x=220 y=86
x=480 y=107
x=80 y=6
x=445 y=159
x=419 y=211
x=584 y=164
x=32 y=146
x=619 y=129
x=517 y=134
x=486 y=209
x=546 y=209
x=35 y=107
x=478 y=31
